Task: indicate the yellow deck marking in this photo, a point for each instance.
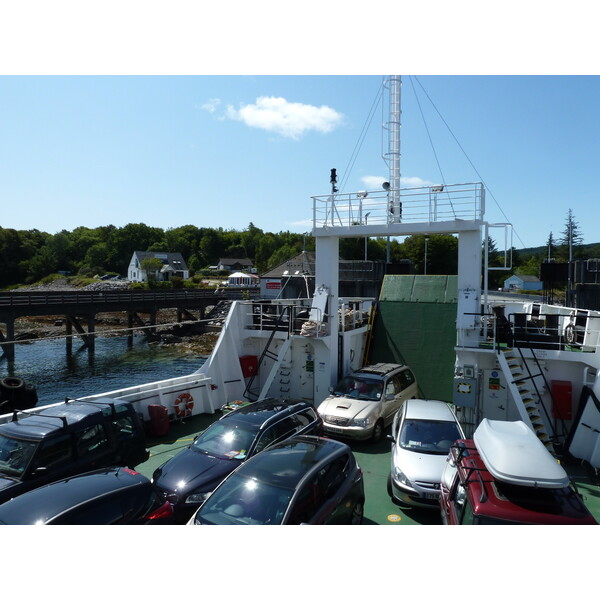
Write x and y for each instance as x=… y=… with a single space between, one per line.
x=394 y=518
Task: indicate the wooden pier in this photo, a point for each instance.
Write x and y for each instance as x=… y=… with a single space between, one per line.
x=79 y=309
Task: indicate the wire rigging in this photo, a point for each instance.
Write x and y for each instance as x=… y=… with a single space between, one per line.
x=467 y=157
x=431 y=143
x=361 y=138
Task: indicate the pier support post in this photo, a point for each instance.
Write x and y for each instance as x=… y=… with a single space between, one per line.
x=130 y=328
x=69 y=333
x=8 y=346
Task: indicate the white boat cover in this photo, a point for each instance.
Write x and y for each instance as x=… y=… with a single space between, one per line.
x=513 y=453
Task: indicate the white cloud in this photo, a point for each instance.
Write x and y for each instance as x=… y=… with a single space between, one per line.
x=211 y=105
x=374 y=182
x=289 y=119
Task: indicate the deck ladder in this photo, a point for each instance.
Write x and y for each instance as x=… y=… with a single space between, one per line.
x=524 y=393
x=277 y=357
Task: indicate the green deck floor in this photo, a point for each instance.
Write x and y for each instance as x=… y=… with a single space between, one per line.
x=375 y=462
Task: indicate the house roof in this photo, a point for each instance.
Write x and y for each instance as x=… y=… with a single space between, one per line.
x=526 y=278
x=174 y=260
x=235 y=261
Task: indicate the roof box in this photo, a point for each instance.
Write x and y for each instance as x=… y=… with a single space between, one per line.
x=512 y=453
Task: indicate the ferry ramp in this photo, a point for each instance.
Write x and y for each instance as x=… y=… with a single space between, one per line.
x=415 y=325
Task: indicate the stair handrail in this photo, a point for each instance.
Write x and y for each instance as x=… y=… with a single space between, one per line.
x=286 y=308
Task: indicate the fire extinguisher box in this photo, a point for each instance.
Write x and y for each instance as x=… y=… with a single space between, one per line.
x=159 y=420
x=249 y=365
x=562 y=394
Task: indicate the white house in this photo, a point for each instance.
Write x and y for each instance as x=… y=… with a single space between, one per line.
x=173 y=266
x=523 y=282
x=243 y=280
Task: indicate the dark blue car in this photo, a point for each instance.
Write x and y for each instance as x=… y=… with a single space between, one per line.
x=189 y=477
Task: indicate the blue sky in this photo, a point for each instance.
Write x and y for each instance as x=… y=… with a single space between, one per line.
x=224 y=151
x=217 y=118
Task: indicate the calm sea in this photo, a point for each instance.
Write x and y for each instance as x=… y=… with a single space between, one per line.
x=46 y=365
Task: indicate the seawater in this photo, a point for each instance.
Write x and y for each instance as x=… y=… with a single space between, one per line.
x=113 y=365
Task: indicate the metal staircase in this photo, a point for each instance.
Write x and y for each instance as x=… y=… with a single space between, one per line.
x=525 y=394
x=277 y=358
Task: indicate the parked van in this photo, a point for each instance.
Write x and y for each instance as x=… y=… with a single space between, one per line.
x=506 y=476
x=68 y=439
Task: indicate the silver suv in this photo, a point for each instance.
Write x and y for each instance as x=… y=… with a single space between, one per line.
x=364 y=403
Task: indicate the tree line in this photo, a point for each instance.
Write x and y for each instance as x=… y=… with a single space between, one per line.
x=28 y=256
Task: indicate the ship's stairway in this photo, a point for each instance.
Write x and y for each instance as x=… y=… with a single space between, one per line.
x=282 y=382
x=525 y=394
x=278 y=367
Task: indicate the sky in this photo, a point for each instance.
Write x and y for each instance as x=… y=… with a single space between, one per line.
x=120 y=132
x=224 y=151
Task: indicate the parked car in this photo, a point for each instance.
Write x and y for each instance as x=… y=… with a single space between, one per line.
x=112 y=496
x=506 y=476
x=422 y=434
x=363 y=404
x=189 y=477
x=68 y=439
x=305 y=480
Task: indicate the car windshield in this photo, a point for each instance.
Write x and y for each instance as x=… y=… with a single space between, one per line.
x=359 y=387
x=430 y=437
x=15 y=455
x=245 y=501
x=226 y=439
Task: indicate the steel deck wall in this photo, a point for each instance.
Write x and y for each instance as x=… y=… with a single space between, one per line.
x=416 y=325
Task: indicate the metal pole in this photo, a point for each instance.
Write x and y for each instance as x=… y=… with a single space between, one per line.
x=425 y=265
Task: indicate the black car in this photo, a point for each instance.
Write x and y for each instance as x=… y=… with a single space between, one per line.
x=68 y=439
x=190 y=476
x=113 y=496
x=306 y=480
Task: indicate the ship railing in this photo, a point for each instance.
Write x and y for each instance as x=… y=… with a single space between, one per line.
x=531 y=330
x=431 y=204
x=298 y=317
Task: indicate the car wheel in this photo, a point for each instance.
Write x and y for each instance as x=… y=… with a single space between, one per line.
x=357 y=514
x=389 y=486
x=377 y=431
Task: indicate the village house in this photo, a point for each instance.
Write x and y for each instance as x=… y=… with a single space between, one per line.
x=235 y=264
x=173 y=265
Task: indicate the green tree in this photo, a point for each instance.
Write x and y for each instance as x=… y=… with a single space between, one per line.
x=151 y=266
x=570 y=234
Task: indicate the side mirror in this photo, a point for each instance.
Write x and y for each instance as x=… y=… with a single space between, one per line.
x=40 y=471
x=389 y=397
x=331 y=388
x=391 y=438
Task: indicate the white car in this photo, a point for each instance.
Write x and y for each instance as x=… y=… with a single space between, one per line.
x=422 y=434
x=364 y=403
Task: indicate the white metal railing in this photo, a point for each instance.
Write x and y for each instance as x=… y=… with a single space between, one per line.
x=465 y=201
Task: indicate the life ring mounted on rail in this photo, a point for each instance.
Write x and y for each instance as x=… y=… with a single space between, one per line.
x=183 y=405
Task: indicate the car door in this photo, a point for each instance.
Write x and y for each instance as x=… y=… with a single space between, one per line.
x=408 y=385
x=392 y=399
x=94 y=448
x=334 y=507
x=53 y=460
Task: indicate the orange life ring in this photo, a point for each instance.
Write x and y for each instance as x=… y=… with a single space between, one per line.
x=187 y=401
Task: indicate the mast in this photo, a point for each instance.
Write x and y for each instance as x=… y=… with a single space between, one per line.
x=392 y=157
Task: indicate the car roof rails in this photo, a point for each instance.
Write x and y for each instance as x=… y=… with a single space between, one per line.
x=463 y=452
x=94 y=403
x=15 y=418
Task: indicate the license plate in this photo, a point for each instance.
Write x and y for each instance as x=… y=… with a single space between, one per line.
x=333 y=428
x=430 y=496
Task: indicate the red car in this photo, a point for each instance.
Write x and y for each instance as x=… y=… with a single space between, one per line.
x=505 y=476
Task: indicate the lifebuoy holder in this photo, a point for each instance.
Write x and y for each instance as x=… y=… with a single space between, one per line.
x=183 y=405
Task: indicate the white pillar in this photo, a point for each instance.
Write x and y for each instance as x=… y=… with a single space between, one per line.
x=469 y=286
x=326 y=352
